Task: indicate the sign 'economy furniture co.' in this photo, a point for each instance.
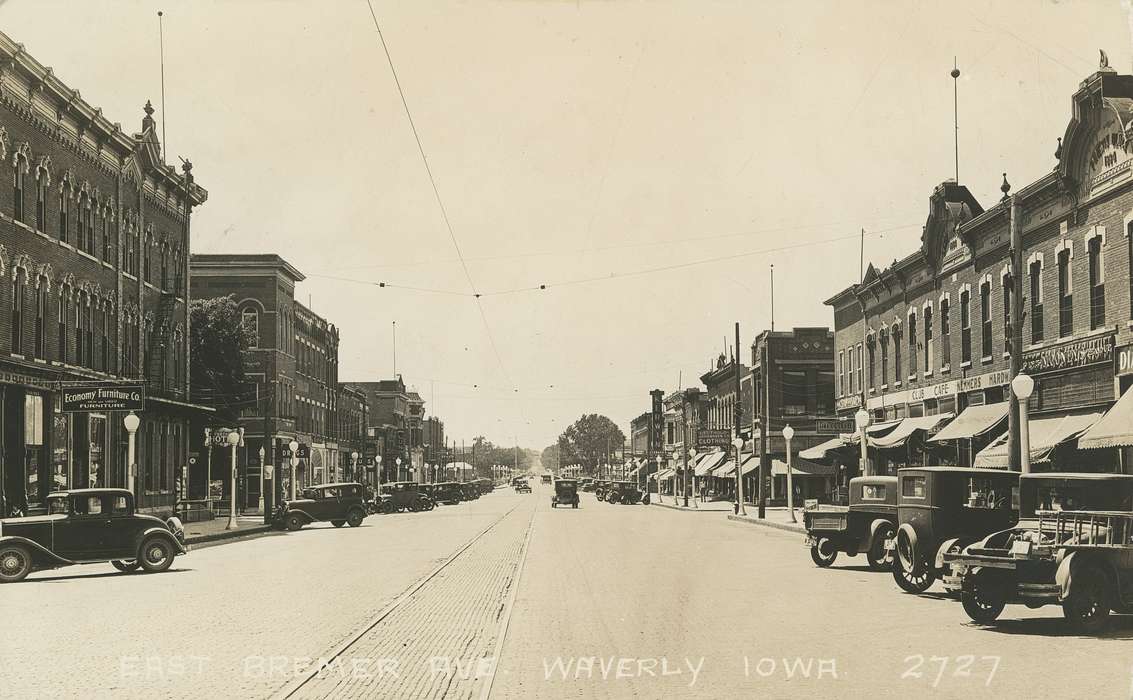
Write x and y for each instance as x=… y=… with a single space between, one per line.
x=104 y=397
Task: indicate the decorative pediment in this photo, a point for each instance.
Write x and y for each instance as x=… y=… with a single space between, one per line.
x=949 y=206
x=23 y=262
x=22 y=153
x=1096 y=152
x=131 y=171
x=44 y=272
x=43 y=165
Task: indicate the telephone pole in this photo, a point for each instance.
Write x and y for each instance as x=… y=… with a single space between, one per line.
x=764 y=427
x=736 y=420
x=1016 y=340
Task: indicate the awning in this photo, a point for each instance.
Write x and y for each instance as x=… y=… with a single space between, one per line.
x=750 y=464
x=973 y=421
x=1115 y=429
x=664 y=474
x=900 y=435
x=708 y=462
x=823 y=450
x=726 y=469
x=1046 y=434
x=801 y=467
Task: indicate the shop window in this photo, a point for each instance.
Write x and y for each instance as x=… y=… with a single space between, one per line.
x=34 y=457
x=61 y=450
x=1036 y=279
x=929 y=355
x=945 y=334
x=965 y=326
x=985 y=319
x=1065 y=295
x=1097 y=283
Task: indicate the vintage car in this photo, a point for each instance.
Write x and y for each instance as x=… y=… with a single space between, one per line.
x=88 y=526
x=521 y=486
x=405 y=496
x=566 y=493
x=943 y=509
x=623 y=492
x=469 y=491
x=547 y=478
x=586 y=484
x=1073 y=546
x=862 y=527
x=485 y=485
x=339 y=504
x=600 y=488
x=447 y=492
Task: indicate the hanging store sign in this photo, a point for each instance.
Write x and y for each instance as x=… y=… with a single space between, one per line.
x=658 y=422
x=1071 y=355
x=101 y=397
x=713 y=438
x=1124 y=361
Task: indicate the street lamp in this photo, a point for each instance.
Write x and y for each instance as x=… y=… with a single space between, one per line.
x=788 y=433
x=131 y=422
x=660 y=459
x=294 y=445
x=861 y=420
x=398 y=463
x=378 y=459
x=738 y=443
x=260 y=505
x=1023 y=386
x=688 y=475
x=233 y=442
x=354 y=465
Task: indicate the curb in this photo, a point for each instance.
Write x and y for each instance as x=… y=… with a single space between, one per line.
x=682 y=509
x=788 y=527
x=228 y=534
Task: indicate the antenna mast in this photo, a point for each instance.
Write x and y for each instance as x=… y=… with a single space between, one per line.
x=956 y=115
x=161 y=44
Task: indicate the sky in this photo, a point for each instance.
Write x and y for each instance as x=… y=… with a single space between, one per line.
x=647 y=162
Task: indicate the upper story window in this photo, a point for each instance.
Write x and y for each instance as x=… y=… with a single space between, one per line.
x=883 y=341
x=107 y=222
x=1008 y=330
x=897 y=354
x=19 y=289
x=850 y=370
x=985 y=319
x=872 y=345
x=945 y=333
x=1097 y=280
x=913 y=345
x=65 y=193
x=41 y=303
x=1036 y=300
x=965 y=326
x=251 y=322
x=21 y=167
x=1065 y=293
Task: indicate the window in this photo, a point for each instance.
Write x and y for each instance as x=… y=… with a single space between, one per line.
x=965 y=326
x=850 y=369
x=873 y=492
x=1036 y=279
x=80 y=337
x=897 y=355
x=34 y=444
x=841 y=373
x=164 y=268
x=42 y=184
x=64 y=210
x=1097 y=282
x=883 y=341
x=19 y=284
x=860 y=360
x=18 y=189
x=913 y=345
x=913 y=486
x=1008 y=337
x=1065 y=294
x=250 y=319
x=872 y=359
x=40 y=350
x=81 y=239
x=795 y=392
x=945 y=334
x=88 y=333
x=929 y=354
x=985 y=319
x=106 y=224
x=146 y=255
x=64 y=292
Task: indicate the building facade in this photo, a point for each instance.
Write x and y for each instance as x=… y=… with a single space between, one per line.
x=94 y=234
x=292 y=371
x=355 y=451
x=397 y=420
x=930 y=334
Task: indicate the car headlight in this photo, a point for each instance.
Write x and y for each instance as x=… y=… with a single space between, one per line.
x=175 y=526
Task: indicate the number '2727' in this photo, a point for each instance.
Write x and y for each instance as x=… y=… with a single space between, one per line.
x=939 y=668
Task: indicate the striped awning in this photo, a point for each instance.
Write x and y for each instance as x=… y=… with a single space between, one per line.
x=908 y=426
x=708 y=462
x=1115 y=429
x=801 y=467
x=726 y=469
x=973 y=421
x=664 y=474
x=1046 y=433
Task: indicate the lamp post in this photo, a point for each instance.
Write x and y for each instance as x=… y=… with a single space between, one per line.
x=354 y=465
x=208 y=469
x=738 y=443
x=131 y=422
x=378 y=459
x=757 y=440
x=788 y=433
x=861 y=420
x=398 y=463
x=1022 y=386
x=233 y=442
x=676 y=469
x=294 y=446
x=690 y=475
x=660 y=458
x=260 y=504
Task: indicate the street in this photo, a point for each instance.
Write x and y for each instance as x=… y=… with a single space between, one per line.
x=613 y=601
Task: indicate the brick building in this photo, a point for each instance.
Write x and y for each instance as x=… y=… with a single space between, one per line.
x=292 y=369
x=353 y=418
x=94 y=230
x=397 y=420
x=928 y=336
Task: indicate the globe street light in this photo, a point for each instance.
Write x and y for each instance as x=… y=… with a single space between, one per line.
x=398 y=463
x=738 y=443
x=861 y=420
x=1022 y=386
x=692 y=461
x=260 y=504
x=131 y=422
x=354 y=465
x=294 y=446
x=233 y=442
x=660 y=458
x=788 y=433
x=379 y=461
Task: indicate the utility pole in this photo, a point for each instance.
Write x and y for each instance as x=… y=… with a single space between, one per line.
x=1016 y=340
x=736 y=421
x=686 y=436
x=764 y=427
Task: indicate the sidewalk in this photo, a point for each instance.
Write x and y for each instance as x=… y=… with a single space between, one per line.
x=699 y=507
x=777 y=516
x=212 y=530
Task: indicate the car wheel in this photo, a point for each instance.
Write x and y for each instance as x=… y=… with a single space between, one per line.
x=876 y=554
x=156 y=555
x=983 y=598
x=823 y=552
x=1087 y=606
x=127 y=566
x=355 y=518
x=15 y=563
x=338 y=523
x=554 y=503
x=427 y=505
x=294 y=522
x=917 y=580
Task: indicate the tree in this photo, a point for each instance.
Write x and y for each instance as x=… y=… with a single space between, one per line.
x=488 y=454
x=589 y=441
x=218 y=341
x=550 y=457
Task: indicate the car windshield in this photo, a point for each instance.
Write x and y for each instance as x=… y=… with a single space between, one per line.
x=873 y=492
x=992 y=494
x=1059 y=497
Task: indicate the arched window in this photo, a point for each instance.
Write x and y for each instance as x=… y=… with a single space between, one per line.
x=42 y=184
x=64 y=294
x=18 y=188
x=19 y=287
x=80 y=337
x=41 y=302
x=251 y=322
x=165 y=267
x=107 y=223
x=65 y=193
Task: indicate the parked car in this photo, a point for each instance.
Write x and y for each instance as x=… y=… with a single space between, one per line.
x=547 y=478
x=566 y=493
x=942 y=509
x=469 y=490
x=521 y=486
x=1072 y=546
x=862 y=527
x=485 y=485
x=600 y=488
x=447 y=492
x=88 y=526
x=339 y=504
x=586 y=484
x=405 y=496
x=623 y=492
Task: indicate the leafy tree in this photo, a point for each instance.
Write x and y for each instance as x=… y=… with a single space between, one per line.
x=550 y=457
x=218 y=341
x=589 y=440
x=488 y=454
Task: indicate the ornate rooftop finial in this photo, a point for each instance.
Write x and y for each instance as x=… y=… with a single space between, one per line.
x=1058 y=151
x=148 y=108
x=1103 y=60
x=187 y=166
x=147 y=121
x=1005 y=187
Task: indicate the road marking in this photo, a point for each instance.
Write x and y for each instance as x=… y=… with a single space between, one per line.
x=291 y=688
x=486 y=690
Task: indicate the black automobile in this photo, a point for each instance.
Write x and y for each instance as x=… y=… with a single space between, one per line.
x=400 y=496
x=566 y=493
x=861 y=527
x=447 y=492
x=469 y=491
x=944 y=509
x=586 y=484
x=339 y=504
x=521 y=486
x=88 y=526
x=1072 y=546
x=485 y=485
x=623 y=492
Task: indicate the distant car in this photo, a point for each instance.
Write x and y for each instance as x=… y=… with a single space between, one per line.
x=401 y=496
x=339 y=504
x=546 y=478
x=469 y=490
x=88 y=526
x=623 y=492
x=586 y=484
x=566 y=493
x=521 y=486
x=447 y=492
